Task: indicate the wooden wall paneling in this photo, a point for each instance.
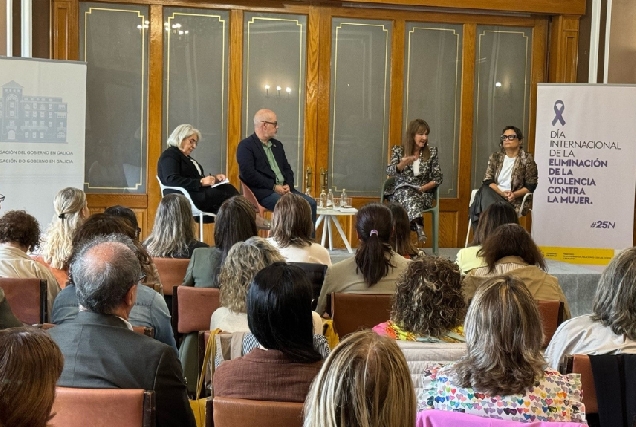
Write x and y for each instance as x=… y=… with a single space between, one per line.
x=311 y=102
x=396 y=87
x=564 y=39
x=155 y=106
x=465 y=135
x=64 y=29
x=235 y=95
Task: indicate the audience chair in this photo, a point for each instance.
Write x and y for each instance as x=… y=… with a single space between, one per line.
x=193 y=308
x=580 y=364
x=171 y=271
x=551 y=318
x=472 y=199
x=80 y=407
x=434 y=211
x=145 y=330
x=316 y=274
x=351 y=312
x=261 y=222
x=202 y=217
x=230 y=412
x=27 y=299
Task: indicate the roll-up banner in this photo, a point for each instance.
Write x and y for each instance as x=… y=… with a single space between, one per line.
x=42 y=129
x=585 y=149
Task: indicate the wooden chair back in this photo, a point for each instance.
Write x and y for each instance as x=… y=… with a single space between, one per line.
x=551 y=317
x=194 y=308
x=171 y=272
x=351 y=312
x=27 y=298
x=80 y=407
x=580 y=364
x=230 y=412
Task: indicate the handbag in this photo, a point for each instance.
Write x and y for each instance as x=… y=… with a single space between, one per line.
x=198 y=404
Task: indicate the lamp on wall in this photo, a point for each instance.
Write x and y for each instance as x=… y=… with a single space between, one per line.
x=278 y=90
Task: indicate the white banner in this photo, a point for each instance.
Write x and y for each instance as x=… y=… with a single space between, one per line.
x=585 y=149
x=42 y=129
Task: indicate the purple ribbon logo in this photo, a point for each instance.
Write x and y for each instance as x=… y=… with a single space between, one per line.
x=559 y=106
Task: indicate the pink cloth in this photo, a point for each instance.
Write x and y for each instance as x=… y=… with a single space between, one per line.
x=437 y=418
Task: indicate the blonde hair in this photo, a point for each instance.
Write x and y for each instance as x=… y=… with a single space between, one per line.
x=365 y=382
x=68 y=206
x=244 y=260
x=180 y=133
x=173 y=230
x=30 y=365
x=503 y=339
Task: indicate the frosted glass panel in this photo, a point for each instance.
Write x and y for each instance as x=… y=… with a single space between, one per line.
x=502 y=89
x=360 y=65
x=274 y=49
x=195 y=80
x=432 y=89
x=114 y=43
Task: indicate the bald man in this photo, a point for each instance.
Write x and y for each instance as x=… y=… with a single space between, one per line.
x=263 y=166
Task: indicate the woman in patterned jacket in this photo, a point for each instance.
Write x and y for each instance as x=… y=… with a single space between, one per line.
x=415 y=167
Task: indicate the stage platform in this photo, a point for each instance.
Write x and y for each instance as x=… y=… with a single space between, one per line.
x=578 y=282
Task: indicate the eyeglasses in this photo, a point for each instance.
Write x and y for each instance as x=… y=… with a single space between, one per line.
x=142 y=277
x=509 y=137
x=2 y=197
x=275 y=124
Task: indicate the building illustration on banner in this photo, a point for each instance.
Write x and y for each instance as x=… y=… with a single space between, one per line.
x=31 y=118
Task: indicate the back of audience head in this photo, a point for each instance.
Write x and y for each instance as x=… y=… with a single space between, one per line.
x=499 y=213
x=291 y=221
x=374 y=227
x=503 y=339
x=615 y=299
x=428 y=298
x=30 y=365
x=244 y=260
x=125 y=213
x=70 y=210
x=21 y=229
x=365 y=382
x=279 y=312
x=235 y=222
x=104 y=269
x=511 y=240
x=401 y=241
x=173 y=229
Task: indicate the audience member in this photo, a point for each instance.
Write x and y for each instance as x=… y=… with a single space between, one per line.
x=30 y=364
x=503 y=374
x=364 y=382
x=401 y=241
x=611 y=328
x=278 y=313
x=147 y=264
x=499 y=213
x=375 y=267
x=235 y=222
x=99 y=347
x=7 y=318
x=172 y=234
x=511 y=250
x=70 y=210
x=149 y=308
x=19 y=234
x=292 y=229
x=244 y=260
x=428 y=305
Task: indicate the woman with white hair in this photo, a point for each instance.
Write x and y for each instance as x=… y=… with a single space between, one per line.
x=177 y=169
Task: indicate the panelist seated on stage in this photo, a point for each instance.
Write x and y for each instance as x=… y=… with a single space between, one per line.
x=263 y=166
x=375 y=267
x=511 y=174
x=177 y=169
x=99 y=347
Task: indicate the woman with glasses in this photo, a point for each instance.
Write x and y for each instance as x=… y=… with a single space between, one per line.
x=177 y=169
x=417 y=174
x=511 y=174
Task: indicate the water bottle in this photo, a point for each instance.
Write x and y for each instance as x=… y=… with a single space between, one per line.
x=323 y=199
x=330 y=198
x=343 y=198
